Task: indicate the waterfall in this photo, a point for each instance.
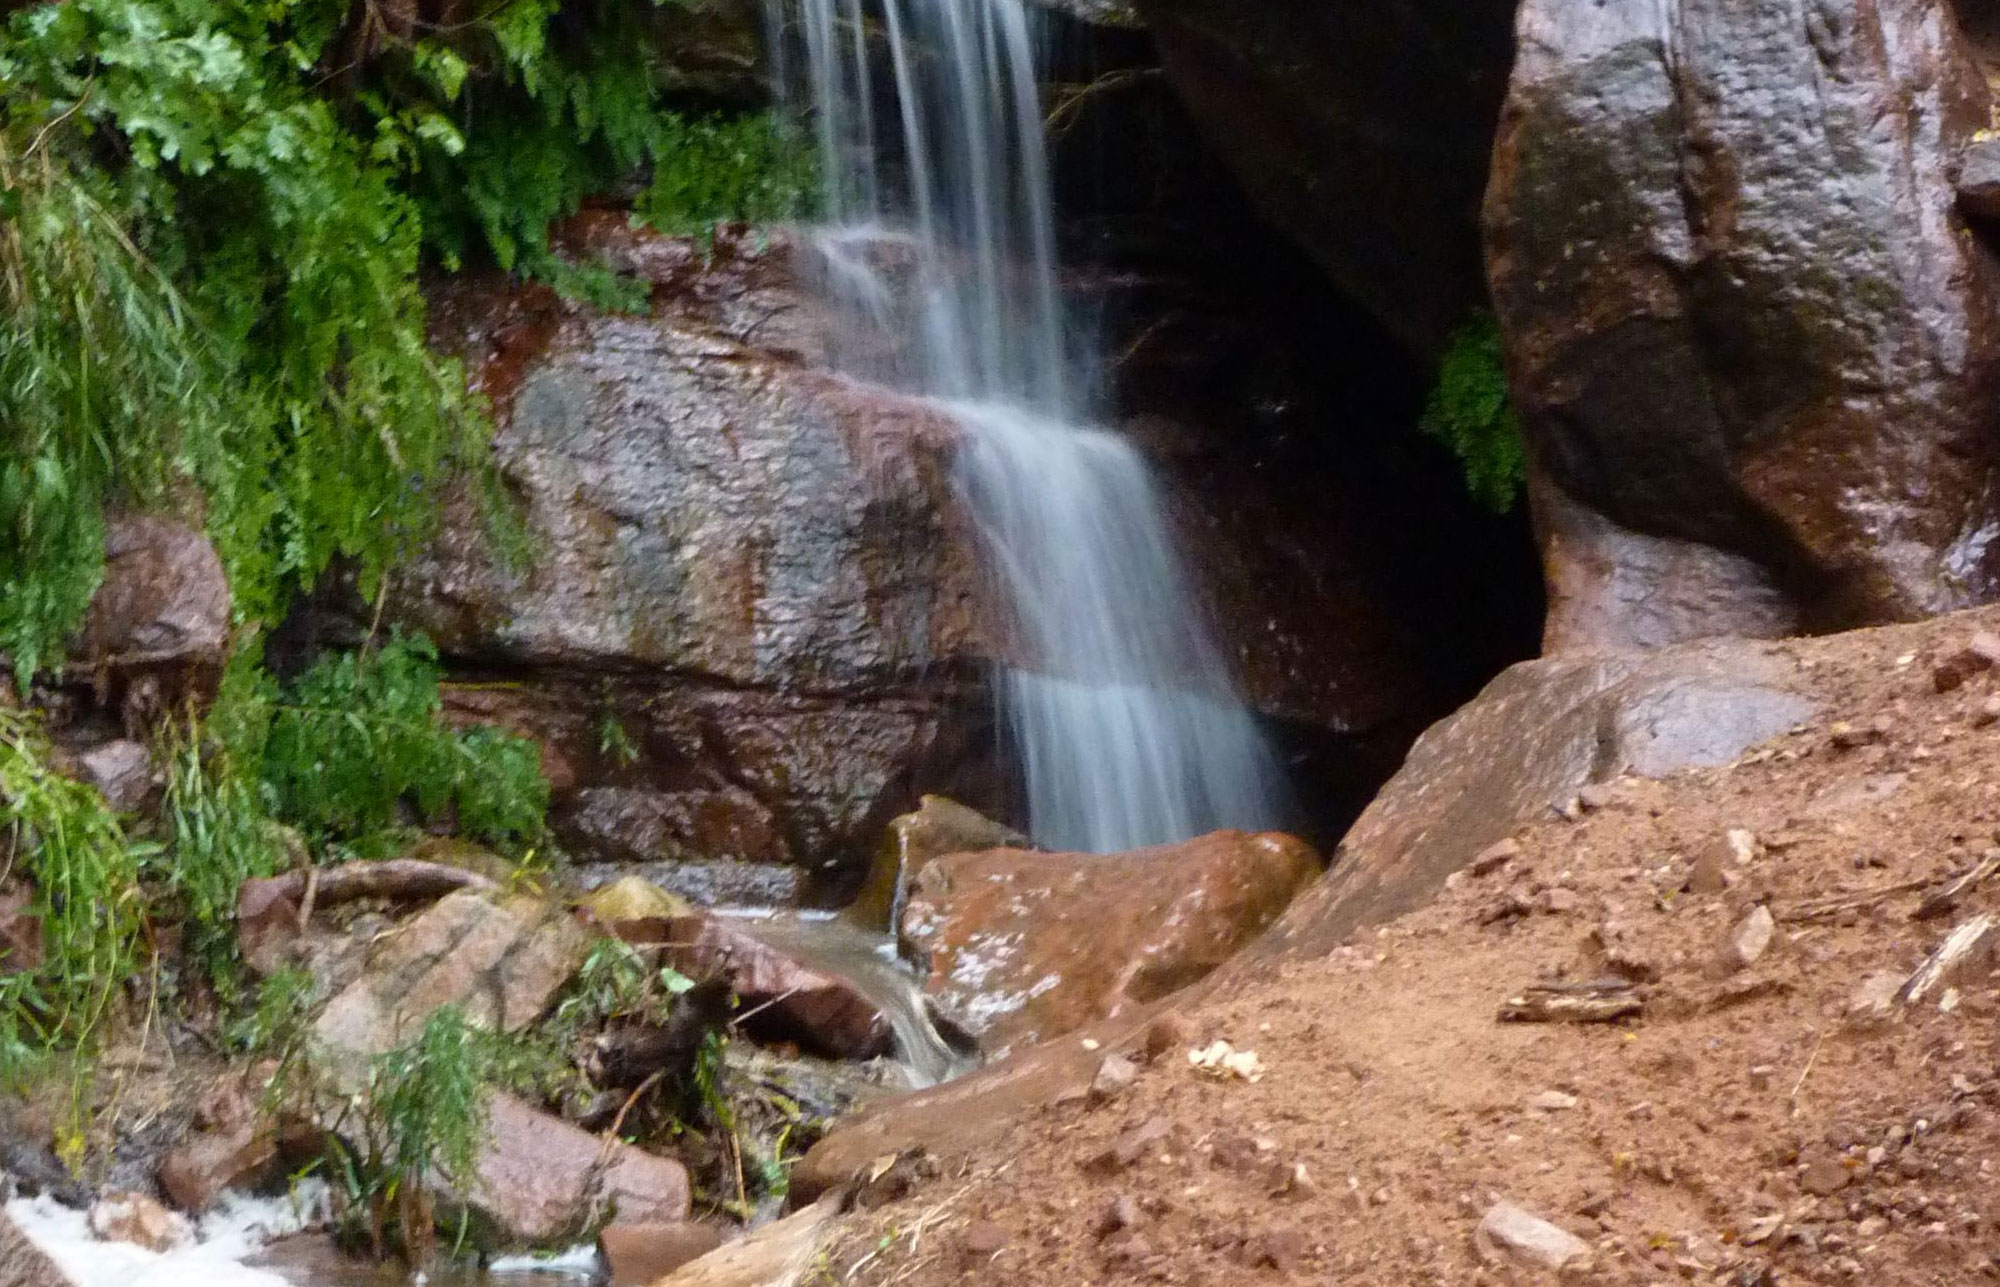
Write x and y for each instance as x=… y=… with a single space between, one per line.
x=939 y=250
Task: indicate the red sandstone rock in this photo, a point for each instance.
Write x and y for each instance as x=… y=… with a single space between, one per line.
x=1025 y=946
x=540 y=1179
x=822 y=1013
x=639 y=1254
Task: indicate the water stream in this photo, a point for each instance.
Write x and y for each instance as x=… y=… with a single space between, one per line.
x=940 y=252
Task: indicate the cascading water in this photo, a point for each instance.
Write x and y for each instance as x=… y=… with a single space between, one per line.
x=940 y=251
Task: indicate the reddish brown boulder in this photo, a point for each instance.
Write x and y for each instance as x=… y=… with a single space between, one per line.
x=638 y=1254
x=1746 y=326
x=1023 y=946
x=541 y=1180
x=791 y=1001
x=201 y=1167
x=501 y=961
x=164 y=598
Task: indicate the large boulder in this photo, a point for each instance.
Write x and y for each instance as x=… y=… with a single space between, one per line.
x=1754 y=345
x=1361 y=129
x=1537 y=736
x=541 y=1182
x=501 y=961
x=1021 y=946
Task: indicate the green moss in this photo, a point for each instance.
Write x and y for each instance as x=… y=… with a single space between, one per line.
x=1470 y=412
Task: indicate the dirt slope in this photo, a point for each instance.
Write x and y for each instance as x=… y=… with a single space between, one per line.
x=1748 y=1126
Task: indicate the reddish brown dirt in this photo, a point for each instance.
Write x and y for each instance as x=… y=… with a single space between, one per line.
x=1746 y=1129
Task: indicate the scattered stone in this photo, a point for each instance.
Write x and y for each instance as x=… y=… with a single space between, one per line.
x=1114 y=1077
x=1559 y=901
x=1130 y=1148
x=1848 y=737
x=1981 y=653
x=1509 y=1233
x=1874 y=998
x=1223 y=1061
x=1710 y=874
x=1987 y=714
x=1978 y=181
x=1825 y=1176
x=1752 y=937
x=1297 y=1182
x=1552 y=1101
x=983 y=1239
x=139 y=1220
x=1595 y=796
x=1601 y=1001
x=1171 y=1032
x=122 y=771
x=204 y=1165
x=1119 y=1214
x=633 y=898
x=1279 y=1249
x=1967 y=946
x=639 y=1254
x=1494 y=857
x=1945 y=899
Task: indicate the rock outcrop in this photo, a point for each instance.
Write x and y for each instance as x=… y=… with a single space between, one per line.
x=743 y=621
x=1021 y=946
x=1362 y=130
x=1754 y=344
x=747 y=627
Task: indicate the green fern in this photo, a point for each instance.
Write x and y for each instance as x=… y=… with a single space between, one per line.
x=1470 y=412
x=358 y=739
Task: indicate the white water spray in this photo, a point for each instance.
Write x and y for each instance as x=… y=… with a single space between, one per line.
x=941 y=254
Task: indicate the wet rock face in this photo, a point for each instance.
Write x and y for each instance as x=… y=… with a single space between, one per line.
x=1022 y=946
x=1746 y=324
x=745 y=622
x=1361 y=129
x=747 y=629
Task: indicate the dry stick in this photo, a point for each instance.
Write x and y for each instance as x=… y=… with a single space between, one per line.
x=311 y=897
x=1805 y=1072
x=618 y=1122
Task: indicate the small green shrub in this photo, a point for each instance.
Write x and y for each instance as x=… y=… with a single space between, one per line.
x=358 y=737
x=421 y=1116
x=1470 y=412
x=85 y=872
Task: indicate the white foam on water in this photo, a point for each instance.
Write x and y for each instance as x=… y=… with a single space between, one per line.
x=236 y=1230
x=578 y=1262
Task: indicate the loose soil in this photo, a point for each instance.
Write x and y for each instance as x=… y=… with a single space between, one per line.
x=1749 y=1127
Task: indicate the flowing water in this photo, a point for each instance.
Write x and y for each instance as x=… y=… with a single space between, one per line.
x=940 y=251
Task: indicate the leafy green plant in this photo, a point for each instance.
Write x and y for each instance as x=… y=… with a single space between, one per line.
x=618 y=983
x=358 y=737
x=221 y=836
x=1470 y=412
x=421 y=1117
x=84 y=871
